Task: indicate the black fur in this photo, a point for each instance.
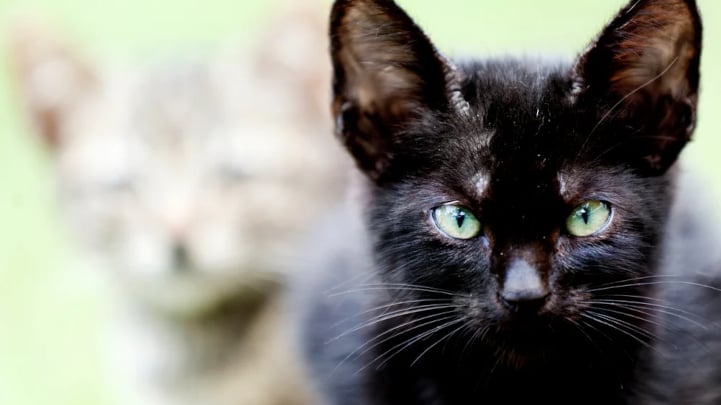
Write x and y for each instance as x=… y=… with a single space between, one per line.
x=418 y=317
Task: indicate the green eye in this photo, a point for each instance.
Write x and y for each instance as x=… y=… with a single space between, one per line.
x=456 y=221
x=588 y=218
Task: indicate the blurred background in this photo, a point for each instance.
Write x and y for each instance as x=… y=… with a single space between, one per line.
x=54 y=311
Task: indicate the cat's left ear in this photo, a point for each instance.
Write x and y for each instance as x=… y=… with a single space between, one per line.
x=643 y=70
x=387 y=74
x=52 y=77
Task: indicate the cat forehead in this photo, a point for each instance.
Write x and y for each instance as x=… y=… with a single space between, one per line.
x=171 y=105
x=521 y=87
x=522 y=114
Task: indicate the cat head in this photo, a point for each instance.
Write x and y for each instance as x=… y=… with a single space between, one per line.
x=186 y=176
x=529 y=192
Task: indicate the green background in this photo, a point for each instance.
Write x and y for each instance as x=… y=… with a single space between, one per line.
x=54 y=313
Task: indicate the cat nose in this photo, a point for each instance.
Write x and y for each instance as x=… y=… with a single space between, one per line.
x=181 y=257
x=523 y=289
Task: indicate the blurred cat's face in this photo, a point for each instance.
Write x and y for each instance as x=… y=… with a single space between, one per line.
x=192 y=180
x=181 y=185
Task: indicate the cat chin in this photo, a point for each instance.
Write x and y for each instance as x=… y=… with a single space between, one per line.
x=519 y=352
x=520 y=344
x=516 y=358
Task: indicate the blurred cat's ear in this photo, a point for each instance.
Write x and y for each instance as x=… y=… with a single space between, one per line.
x=51 y=78
x=643 y=70
x=291 y=58
x=387 y=74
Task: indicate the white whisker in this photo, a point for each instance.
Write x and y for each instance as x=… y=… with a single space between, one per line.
x=394 y=314
x=393 y=351
x=447 y=336
x=619 y=326
x=374 y=342
x=663 y=309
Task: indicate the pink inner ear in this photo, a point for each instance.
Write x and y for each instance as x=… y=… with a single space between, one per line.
x=50 y=77
x=379 y=63
x=386 y=74
x=655 y=49
x=643 y=72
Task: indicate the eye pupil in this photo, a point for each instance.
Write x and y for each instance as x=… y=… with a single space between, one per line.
x=460 y=217
x=585 y=215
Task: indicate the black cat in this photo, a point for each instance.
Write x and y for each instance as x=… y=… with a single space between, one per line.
x=524 y=243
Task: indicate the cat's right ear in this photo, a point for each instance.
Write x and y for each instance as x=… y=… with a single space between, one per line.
x=51 y=78
x=386 y=74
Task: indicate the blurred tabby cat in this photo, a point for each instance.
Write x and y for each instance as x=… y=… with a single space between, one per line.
x=187 y=179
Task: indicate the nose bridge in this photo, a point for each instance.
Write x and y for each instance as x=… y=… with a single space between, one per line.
x=512 y=250
x=526 y=201
x=176 y=214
